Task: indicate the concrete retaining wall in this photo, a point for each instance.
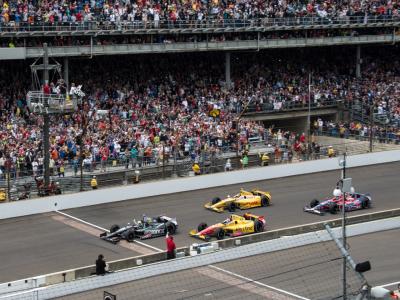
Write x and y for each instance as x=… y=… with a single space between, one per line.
x=36 y=206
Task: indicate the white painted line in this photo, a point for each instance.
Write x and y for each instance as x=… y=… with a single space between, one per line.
x=106 y=230
x=390 y=284
x=82 y=221
x=258 y=283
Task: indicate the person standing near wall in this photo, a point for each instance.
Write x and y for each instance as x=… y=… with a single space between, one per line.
x=170 y=246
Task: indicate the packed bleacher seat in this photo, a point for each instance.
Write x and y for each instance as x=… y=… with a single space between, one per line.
x=144 y=109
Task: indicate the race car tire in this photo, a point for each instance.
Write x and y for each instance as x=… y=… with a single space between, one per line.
x=130 y=236
x=201 y=227
x=232 y=207
x=114 y=228
x=314 y=203
x=258 y=226
x=333 y=208
x=215 y=200
x=264 y=201
x=220 y=233
x=170 y=228
x=365 y=203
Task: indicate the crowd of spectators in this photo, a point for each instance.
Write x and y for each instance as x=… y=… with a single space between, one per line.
x=175 y=11
x=146 y=109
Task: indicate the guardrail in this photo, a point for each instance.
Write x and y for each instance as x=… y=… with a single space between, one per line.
x=137 y=261
x=208 y=23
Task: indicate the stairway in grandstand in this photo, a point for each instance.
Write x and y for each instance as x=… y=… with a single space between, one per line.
x=354 y=146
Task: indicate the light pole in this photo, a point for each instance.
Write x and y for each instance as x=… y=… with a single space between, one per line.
x=343 y=186
x=309 y=115
x=237 y=130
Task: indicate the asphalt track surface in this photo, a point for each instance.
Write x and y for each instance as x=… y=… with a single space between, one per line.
x=313 y=272
x=43 y=243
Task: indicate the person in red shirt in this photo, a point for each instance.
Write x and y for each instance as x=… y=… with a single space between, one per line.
x=170 y=246
x=46 y=88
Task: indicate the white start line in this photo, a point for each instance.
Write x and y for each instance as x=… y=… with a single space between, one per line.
x=104 y=229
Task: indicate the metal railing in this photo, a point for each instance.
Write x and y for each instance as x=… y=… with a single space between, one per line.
x=361 y=111
x=282 y=106
x=209 y=23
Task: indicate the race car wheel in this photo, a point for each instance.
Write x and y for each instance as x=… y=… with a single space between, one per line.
x=314 y=203
x=333 y=208
x=201 y=227
x=220 y=234
x=365 y=204
x=264 y=201
x=258 y=226
x=114 y=228
x=232 y=207
x=215 y=200
x=170 y=227
x=130 y=236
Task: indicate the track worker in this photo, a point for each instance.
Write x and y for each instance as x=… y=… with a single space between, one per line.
x=264 y=158
x=331 y=152
x=101 y=265
x=170 y=246
x=196 y=169
x=244 y=161
x=93 y=183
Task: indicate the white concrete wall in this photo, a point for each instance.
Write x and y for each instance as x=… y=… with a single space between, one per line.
x=41 y=205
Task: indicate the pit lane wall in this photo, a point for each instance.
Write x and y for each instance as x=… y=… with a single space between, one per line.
x=48 y=204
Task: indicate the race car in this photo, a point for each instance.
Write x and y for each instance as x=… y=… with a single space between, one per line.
x=243 y=200
x=146 y=228
x=235 y=225
x=354 y=201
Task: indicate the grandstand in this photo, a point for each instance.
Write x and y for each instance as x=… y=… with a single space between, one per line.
x=171 y=83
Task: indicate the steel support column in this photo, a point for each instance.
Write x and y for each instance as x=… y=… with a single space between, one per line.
x=46 y=121
x=228 y=70
x=66 y=72
x=358 y=62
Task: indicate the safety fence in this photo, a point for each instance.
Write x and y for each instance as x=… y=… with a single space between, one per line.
x=207 y=23
x=19 y=186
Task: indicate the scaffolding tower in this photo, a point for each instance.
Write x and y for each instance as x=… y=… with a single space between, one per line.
x=47 y=99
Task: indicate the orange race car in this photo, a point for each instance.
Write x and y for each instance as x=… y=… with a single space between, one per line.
x=243 y=200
